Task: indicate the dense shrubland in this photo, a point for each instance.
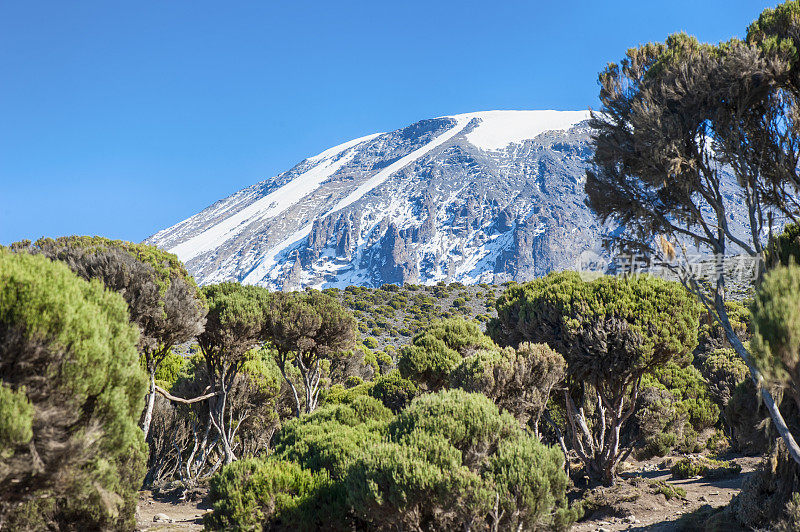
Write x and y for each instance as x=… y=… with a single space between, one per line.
x=293 y=421
x=392 y=408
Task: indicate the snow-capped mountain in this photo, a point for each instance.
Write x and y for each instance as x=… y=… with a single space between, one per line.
x=479 y=197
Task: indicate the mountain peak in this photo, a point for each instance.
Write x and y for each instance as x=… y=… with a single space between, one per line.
x=498 y=129
x=483 y=196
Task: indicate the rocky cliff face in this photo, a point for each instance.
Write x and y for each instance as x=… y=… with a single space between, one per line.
x=479 y=197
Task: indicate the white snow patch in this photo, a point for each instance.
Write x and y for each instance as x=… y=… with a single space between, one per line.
x=498 y=129
x=383 y=175
x=270 y=205
x=262 y=270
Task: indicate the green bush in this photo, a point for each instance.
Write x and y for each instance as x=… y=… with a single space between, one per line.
x=453 y=459
x=371 y=342
x=517 y=380
x=675 y=408
x=704 y=467
x=71 y=393
x=448 y=461
x=438 y=349
x=393 y=391
x=260 y=494
x=168 y=372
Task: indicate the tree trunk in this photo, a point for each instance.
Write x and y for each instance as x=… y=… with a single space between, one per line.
x=151 y=399
x=758 y=380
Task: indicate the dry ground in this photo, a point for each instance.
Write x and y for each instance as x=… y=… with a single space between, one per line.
x=185 y=515
x=653 y=512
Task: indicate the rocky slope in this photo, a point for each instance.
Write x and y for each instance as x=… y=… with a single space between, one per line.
x=479 y=197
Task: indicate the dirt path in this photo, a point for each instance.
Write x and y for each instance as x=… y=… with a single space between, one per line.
x=184 y=515
x=653 y=512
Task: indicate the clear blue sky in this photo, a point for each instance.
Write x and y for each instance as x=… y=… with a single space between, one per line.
x=122 y=118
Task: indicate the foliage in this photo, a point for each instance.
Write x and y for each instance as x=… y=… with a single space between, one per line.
x=704 y=467
x=784 y=249
x=182 y=437
x=234 y=327
x=72 y=455
x=776 y=328
x=169 y=370
x=163 y=299
x=307 y=330
x=676 y=409
x=434 y=352
x=611 y=332
x=333 y=436
x=667 y=490
x=247 y=494
x=517 y=380
x=453 y=459
x=677 y=119
x=447 y=460
x=393 y=391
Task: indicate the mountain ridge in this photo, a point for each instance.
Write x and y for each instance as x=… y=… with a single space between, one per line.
x=487 y=196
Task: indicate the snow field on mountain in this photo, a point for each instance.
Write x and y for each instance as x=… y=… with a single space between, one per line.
x=273 y=203
x=498 y=129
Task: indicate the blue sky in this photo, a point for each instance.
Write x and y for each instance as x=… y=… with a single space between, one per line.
x=122 y=118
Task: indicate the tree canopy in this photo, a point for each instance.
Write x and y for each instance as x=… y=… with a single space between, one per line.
x=163 y=299
x=611 y=331
x=71 y=391
x=308 y=330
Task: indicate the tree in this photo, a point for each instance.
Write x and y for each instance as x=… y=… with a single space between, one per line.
x=684 y=129
x=162 y=297
x=434 y=352
x=517 y=380
x=307 y=330
x=71 y=391
x=183 y=441
x=234 y=327
x=611 y=332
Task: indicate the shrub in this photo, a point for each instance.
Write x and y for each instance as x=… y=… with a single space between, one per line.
x=453 y=460
x=776 y=328
x=260 y=494
x=333 y=436
x=675 y=419
x=71 y=392
x=393 y=391
x=704 y=467
x=370 y=342
x=168 y=372
x=438 y=349
x=517 y=380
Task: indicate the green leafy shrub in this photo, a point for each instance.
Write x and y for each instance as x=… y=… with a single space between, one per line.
x=71 y=393
x=667 y=490
x=371 y=342
x=393 y=391
x=676 y=419
x=260 y=494
x=704 y=467
x=168 y=372
x=449 y=460
x=517 y=380
x=453 y=459
x=438 y=349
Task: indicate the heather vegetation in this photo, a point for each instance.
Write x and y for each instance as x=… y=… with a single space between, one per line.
x=448 y=406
